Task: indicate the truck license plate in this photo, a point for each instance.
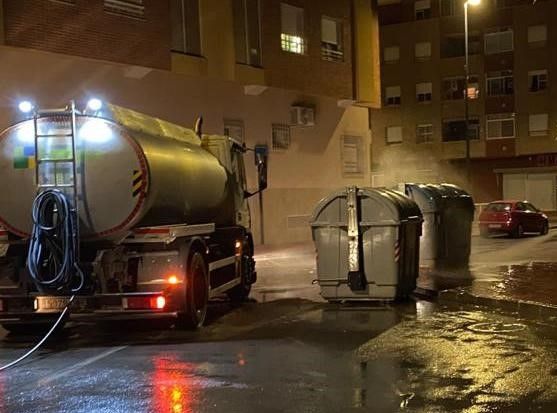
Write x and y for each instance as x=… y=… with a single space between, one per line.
x=52 y=303
x=494 y=225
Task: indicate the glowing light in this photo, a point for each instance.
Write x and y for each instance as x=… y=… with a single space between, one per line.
x=26 y=132
x=94 y=104
x=172 y=279
x=161 y=302
x=238 y=244
x=474 y=2
x=25 y=106
x=95 y=130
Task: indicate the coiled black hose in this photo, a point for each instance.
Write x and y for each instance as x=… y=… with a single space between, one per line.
x=53 y=248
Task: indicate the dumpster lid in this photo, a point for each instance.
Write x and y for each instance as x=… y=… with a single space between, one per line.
x=386 y=207
x=432 y=197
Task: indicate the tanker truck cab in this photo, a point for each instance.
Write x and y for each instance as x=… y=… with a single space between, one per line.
x=164 y=222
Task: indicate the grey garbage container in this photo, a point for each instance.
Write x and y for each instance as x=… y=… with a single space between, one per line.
x=448 y=213
x=367 y=243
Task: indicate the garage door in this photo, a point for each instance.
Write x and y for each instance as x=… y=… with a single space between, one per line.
x=539 y=189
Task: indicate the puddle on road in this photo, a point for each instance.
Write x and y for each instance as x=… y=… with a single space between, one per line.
x=531 y=282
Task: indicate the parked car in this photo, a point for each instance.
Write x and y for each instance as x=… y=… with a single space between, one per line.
x=512 y=217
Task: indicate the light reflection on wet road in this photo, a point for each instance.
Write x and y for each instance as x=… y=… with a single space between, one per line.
x=290 y=351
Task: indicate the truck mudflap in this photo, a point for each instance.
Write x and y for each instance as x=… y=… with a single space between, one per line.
x=101 y=306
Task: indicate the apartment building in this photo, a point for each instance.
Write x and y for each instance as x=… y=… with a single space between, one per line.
x=419 y=135
x=296 y=76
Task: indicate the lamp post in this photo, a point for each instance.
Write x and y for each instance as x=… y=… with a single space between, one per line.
x=466 y=80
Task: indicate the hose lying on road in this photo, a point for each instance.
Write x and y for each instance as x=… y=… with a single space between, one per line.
x=40 y=343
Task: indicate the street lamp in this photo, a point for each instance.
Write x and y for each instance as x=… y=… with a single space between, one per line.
x=466 y=80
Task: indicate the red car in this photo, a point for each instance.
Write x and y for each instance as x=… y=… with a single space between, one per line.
x=512 y=217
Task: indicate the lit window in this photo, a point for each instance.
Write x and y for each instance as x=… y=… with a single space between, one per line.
x=537 y=35
x=391 y=54
x=424 y=133
x=281 y=136
x=393 y=134
x=422 y=51
x=392 y=95
x=423 y=92
x=453 y=88
x=292 y=34
x=499 y=41
x=331 y=40
x=500 y=126
x=537 y=80
x=538 y=124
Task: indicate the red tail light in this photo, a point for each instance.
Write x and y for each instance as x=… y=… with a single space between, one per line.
x=144 y=303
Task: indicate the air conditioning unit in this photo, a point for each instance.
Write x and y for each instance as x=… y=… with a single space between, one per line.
x=302 y=116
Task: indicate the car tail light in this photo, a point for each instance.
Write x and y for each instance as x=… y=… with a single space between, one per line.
x=144 y=303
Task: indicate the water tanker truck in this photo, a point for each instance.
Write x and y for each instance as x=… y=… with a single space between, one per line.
x=124 y=214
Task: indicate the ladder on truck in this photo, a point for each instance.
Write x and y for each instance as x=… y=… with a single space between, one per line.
x=52 y=170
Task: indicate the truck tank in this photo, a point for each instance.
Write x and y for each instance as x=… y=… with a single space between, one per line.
x=132 y=171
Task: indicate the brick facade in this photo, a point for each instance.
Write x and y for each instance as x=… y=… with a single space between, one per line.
x=309 y=72
x=85 y=29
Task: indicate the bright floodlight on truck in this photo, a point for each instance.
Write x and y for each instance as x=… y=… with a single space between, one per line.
x=94 y=104
x=25 y=106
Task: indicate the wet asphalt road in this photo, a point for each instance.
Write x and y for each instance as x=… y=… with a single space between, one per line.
x=289 y=351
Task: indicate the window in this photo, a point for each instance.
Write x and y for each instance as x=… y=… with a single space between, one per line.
x=500 y=83
x=447 y=7
x=500 y=126
x=422 y=51
x=424 y=133
x=538 y=124
x=452 y=45
x=281 y=136
x=292 y=33
x=331 y=40
x=423 y=92
x=391 y=54
x=393 y=134
x=128 y=8
x=352 y=155
x=499 y=41
x=392 y=95
x=537 y=35
x=455 y=129
x=247 y=40
x=422 y=9
x=453 y=88
x=186 y=37
x=234 y=128
x=537 y=80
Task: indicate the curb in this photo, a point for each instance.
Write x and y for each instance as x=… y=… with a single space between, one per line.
x=524 y=309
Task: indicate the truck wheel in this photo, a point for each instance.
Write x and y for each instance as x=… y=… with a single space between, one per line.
x=242 y=290
x=197 y=294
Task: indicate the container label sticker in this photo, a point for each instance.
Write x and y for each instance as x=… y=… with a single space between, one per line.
x=24 y=157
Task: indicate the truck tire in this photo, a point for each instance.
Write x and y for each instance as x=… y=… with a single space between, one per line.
x=197 y=294
x=241 y=292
